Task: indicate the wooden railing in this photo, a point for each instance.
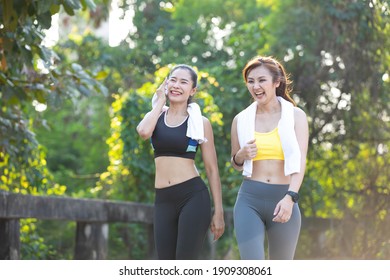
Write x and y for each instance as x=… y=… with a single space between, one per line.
x=91 y=215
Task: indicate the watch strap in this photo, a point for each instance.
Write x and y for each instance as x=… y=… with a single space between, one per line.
x=294 y=196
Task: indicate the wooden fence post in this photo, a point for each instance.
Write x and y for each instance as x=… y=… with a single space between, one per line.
x=9 y=239
x=91 y=241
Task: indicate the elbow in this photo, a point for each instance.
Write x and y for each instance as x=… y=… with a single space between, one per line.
x=143 y=133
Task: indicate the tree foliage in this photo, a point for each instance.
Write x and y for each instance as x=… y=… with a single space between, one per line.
x=32 y=77
x=32 y=74
x=340 y=68
x=336 y=51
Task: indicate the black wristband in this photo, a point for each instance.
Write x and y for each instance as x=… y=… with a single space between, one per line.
x=294 y=196
x=235 y=162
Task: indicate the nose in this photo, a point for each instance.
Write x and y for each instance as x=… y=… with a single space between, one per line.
x=256 y=85
x=175 y=84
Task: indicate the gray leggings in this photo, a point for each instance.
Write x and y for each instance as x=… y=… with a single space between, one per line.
x=253 y=214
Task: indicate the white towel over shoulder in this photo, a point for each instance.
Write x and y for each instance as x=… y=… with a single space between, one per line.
x=195 y=129
x=246 y=132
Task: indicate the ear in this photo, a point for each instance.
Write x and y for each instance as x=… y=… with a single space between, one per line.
x=277 y=84
x=193 y=91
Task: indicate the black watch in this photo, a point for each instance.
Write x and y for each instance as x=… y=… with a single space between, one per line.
x=294 y=196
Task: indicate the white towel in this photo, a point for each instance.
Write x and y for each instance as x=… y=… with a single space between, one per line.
x=246 y=132
x=195 y=129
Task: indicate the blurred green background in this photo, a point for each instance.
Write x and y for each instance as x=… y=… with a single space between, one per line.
x=78 y=75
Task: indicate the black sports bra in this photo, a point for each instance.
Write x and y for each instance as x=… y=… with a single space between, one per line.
x=172 y=141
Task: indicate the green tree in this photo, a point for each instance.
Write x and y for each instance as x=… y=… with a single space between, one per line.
x=340 y=68
x=32 y=74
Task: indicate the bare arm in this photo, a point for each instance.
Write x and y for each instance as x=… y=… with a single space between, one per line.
x=302 y=132
x=146 y=127
x=235 y=147
x=209 y=157
x=283 y=209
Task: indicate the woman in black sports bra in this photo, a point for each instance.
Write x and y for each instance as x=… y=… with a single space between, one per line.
x=182 y=213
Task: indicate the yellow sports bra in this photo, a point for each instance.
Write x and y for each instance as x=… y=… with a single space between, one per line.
x=268 y=145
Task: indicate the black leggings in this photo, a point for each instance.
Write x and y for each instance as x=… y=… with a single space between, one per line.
x=182 y=216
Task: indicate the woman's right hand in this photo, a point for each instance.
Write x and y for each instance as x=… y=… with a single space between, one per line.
x=162 y=91
x=248 y=152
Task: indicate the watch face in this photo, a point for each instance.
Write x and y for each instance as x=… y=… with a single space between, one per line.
x=294 y=196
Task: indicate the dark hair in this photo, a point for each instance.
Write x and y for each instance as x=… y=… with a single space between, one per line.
x=194 y=76
x=277 y=72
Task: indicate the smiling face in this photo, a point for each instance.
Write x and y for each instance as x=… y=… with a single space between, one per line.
x=180 y=85
x=261 y=85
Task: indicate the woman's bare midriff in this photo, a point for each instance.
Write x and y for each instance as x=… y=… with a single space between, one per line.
x=269 y=171
x=173 y=170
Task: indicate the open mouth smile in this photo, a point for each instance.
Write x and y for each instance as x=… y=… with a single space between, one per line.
x=259 y=94
x=174 y=92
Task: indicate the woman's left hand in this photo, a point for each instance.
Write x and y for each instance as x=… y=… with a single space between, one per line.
x=283 y=210
x=217 y=226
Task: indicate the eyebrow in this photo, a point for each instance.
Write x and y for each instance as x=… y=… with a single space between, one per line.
x=254 y=78
x=181 y=79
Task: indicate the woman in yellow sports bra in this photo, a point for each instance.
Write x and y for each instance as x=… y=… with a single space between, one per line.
x=269 y=142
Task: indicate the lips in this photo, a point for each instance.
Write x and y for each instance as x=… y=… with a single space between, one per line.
x=176 y=92
x=259 y=94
